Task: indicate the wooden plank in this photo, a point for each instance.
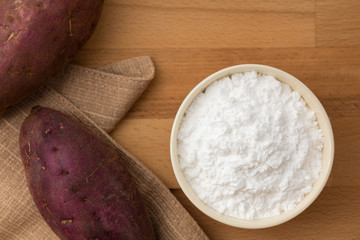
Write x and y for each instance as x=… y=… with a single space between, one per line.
x=163 y=24
x=148 y=140
x=244 y=5
x=346 y=168
x=334 y=215
x=333 y=74
x=337 y=23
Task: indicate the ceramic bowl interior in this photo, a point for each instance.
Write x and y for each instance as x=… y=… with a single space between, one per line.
x=312 y=102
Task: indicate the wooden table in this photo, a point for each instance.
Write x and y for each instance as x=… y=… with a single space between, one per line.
x=318 y=41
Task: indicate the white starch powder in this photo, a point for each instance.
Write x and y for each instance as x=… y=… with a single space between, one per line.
x=250 y=147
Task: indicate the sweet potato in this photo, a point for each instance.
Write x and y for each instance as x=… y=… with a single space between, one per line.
x=37 y=39
x=78 y=182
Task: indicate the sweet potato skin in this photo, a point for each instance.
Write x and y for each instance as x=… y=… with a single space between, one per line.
x=78 y=182
x=37 y=39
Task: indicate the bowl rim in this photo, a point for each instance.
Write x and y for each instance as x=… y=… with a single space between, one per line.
x=327 y=159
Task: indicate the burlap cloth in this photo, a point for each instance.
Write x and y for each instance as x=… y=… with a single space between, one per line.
x=99 y=98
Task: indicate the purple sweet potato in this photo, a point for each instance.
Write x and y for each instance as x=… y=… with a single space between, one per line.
x=37 y=39
x=78 y=182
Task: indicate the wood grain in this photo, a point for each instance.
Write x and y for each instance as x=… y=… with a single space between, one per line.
x=316 y=41
x=337 y=23
x=154 y=153
x=331 y=73
x=332 y=216
x=156 y=25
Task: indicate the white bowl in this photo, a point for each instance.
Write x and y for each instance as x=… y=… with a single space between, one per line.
x=327 y=157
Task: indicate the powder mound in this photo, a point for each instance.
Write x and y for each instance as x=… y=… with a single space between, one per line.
x=250 y=147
